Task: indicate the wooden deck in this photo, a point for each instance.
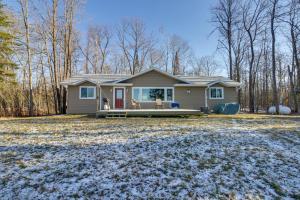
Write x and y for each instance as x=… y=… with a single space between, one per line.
x=146 y=113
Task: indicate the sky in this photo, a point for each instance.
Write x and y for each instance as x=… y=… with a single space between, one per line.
x=190 y=19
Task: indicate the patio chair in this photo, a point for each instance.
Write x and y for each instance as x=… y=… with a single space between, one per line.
x=106 y=104
x=135 y=104
x=159 y=104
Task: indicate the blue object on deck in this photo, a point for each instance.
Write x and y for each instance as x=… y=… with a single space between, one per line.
x=227 y=109
x=175 y=105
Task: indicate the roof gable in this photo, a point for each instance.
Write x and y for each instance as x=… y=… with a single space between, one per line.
x=224 y=83
x=153 y=70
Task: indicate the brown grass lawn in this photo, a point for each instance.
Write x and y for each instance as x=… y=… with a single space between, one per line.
x=215 y=156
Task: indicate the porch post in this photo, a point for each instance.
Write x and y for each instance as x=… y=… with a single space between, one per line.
x=206 y=97
x=97 y=97
x=100 y=96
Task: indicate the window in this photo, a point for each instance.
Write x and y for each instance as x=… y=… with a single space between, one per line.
x=136 y=93
x=151 y=94
x=87 y=92
x=119 y=94
x=216 y=93
x=169 y=94
x=147 y=94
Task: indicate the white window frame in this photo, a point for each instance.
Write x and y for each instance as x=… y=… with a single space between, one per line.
x=222 y=89
x=94 y=97
x=140 y=93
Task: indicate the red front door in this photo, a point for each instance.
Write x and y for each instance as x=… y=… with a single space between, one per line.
x=119 y=98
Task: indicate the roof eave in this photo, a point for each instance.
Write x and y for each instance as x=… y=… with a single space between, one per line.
x=189 y=85
x=116 y=84
x=66 y=83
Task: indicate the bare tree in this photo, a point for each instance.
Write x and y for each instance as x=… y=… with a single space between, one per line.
x=225 y=16
x=253 y=16
x=98 y=48
x=265 y=69
x=135 y=43
x=206 y=66
x=86 y=54
x=69 y=46
x=24 y=10
x=54 y=52
x=239 y=50
x=249 y=31
x=156 y=58
x=274 y=13
x=293 y=22
x=181 y=48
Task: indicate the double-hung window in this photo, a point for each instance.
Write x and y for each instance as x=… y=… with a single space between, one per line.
x=150 y=94
x=87 y=92
x=216 y=93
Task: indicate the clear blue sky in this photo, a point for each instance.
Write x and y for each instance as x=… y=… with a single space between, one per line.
x=186 y=18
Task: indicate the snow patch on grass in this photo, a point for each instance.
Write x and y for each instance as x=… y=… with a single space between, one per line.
x=65 y=158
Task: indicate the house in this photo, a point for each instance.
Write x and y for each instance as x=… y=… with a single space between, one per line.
x=86 y=92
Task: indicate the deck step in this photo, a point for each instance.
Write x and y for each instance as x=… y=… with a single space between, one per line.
x=116 y=115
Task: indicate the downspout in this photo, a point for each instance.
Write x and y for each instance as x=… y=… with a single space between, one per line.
x=206 y=105
x=97 y=97
x=67 y=97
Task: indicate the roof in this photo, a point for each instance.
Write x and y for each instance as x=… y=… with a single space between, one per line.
x=157 y=70
x=115 y=79
x=210 y=80
x=94 y=78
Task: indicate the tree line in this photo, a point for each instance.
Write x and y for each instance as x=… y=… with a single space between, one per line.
x=260 y=39
x=42 y=46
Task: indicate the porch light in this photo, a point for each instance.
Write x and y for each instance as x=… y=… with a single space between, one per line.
x=188 y=91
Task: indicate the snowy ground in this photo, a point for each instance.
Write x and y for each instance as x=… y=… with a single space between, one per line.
x=67 y=157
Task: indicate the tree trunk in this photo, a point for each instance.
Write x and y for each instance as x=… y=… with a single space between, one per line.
x=55 y=71
x=274 y=82
x=45 y=88
x=251 y=78
x=229 y=39
x=297 y=63
x=293 y=89
x=24 y=8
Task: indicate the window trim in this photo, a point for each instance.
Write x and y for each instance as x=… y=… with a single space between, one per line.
x=165 y=93
x=210 y=97
x=84 y=98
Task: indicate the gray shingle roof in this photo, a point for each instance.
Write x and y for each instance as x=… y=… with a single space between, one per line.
x=113 y=78
x=206 y=80
x=97 y=78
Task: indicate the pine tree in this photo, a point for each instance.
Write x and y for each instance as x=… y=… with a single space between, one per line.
x=7 y=41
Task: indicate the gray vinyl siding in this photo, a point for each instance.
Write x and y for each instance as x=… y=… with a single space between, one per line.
x=152 y=78
x=230 y=96
x=193 y=100
x=75 y=105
